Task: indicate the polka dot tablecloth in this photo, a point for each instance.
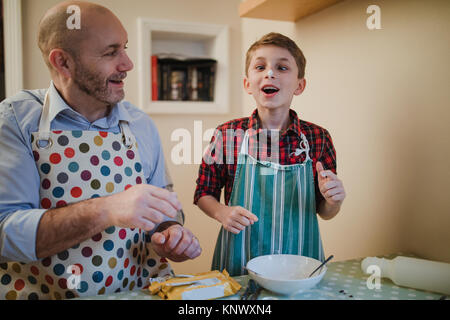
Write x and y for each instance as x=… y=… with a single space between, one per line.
x=344 y=280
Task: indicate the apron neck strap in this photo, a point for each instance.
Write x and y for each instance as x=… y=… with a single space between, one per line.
x=304 y=146
x=44 y=122
x=44 y=126
x=126 y=133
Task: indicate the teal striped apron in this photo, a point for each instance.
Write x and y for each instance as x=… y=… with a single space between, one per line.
x=283 y=199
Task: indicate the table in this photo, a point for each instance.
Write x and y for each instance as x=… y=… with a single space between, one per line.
x=344 y=280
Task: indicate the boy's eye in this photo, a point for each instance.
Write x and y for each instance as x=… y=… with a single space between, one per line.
x=259 y=67
x=282 y=68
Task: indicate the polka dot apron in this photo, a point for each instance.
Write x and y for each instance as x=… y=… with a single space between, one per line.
x=75 y=166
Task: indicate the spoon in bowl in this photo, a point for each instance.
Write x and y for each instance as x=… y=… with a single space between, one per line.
x=321 y=265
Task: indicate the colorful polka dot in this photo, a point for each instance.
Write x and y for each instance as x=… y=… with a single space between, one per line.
x=63 y=255
x=95 y=184
x=97 y=276
x=112 y=262
x=55 y=158
x=103 y=134
x=76 y=192
x=110 y=230
x=58 y=192
x=109 y=187
x=84 y=148
x=11 y=295
x=34 y=270
x=130 y=154
x=97 y=237
x=128 y=171
x=98 y=141
x=49 y=280
x=118 y=161
x=105 y=171
x=83 y=287
x=46 y=203
x=69 y=153
x=59 y=269
x=97 y=260
x=63 y=140
x=73 y=167
x=106 y=155
x=138 y=167
x=77 y=133
x=108 y=245
x=62 y=177
x=94 y=160
x=117 y=178
x=5 y=279
x=61 y=203
x=86 y=252
x=46 y=261
x=116 y=146
x=45 y=168
x=86 y=175
x=45 y=184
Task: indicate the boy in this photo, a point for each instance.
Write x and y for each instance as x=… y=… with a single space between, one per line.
x=272 y=165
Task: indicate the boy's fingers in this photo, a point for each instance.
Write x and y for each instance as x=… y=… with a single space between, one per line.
x=248 y=215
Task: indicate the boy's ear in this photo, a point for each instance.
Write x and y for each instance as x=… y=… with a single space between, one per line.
x=247 y=85
x=301 y=86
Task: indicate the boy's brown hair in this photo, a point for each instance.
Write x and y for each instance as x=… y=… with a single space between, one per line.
x=278 y=40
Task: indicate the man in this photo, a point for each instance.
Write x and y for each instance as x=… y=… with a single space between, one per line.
x=82 y=173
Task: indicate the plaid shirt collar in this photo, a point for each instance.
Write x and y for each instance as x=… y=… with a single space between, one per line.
x=294 y=126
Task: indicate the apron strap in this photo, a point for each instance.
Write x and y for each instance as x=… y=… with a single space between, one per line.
x=244 y=144
x=304 y=147
x=43 y=139
x=126 y=133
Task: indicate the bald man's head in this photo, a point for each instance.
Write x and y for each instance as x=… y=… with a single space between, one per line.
x=54 y=33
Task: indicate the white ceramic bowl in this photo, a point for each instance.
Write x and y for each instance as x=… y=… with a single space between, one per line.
x=285 y=274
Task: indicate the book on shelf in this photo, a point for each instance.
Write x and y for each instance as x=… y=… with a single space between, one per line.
x=181 y=78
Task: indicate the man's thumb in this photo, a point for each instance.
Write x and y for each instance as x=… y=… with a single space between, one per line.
x=158 y=238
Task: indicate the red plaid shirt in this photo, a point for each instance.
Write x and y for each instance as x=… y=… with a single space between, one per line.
x=220 y=160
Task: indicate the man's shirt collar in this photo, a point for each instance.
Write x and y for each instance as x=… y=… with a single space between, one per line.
x=58 y=106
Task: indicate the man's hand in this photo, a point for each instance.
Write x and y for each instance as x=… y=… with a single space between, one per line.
x=141 y=206
x=330 y=186
x=176 y=243
x=235 y=219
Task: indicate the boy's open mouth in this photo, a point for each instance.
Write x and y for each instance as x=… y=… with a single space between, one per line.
x=270 y=89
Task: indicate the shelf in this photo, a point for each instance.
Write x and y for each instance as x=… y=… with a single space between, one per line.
x=285 y=10
x=188 y=39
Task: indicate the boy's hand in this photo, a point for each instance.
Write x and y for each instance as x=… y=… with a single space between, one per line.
x=235 y=219
x=330 y=186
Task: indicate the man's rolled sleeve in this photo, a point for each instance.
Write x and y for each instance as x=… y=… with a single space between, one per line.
x=19 y=190
x=18 y=235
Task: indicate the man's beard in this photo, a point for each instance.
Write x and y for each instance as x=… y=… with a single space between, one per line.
x=95 y=86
